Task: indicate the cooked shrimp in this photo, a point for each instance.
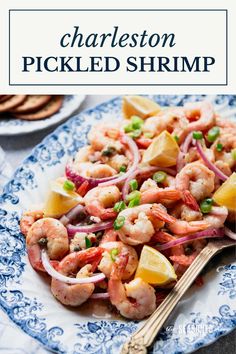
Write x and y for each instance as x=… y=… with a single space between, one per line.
x=100 y=201
x=105 y=135
x=117 y=161
x=28 y=218
x=228 y=142
x=95 y=170
x=143 y=297
x=86 y=261
x=173 y=120
x=142 y=222
x=160 y=195
x=183 y=212
x=108 y=259
x=186 y=260
x=200 y=114
x=196 y=178
x=76 y=294
x=47 y=232
x=182 y=227
x=217 y=216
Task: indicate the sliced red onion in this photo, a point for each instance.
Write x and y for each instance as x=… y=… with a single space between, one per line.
x=136 y=156
x=153 y=169
x=201 y=234
x=73 y=214
x=89 y=228
x=75 y=177
x=56 y=275
x=100 y=296
x=230 y=233
x=210 y=164
x=185 y=146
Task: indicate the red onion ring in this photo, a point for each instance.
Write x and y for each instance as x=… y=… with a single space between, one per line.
x=136 y=156
x=72 y=229
x=56 y=275
x=72 y=214
x=230 y=233
x=75 y=177
x=185 y=146
x=202 y=234
x=209 y=164
x=100 y=296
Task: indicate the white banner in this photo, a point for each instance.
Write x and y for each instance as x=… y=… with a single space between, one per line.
x=124 y=49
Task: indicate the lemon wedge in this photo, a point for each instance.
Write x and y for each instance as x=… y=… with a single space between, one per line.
x=226 y=194
x=59 y=200
x=163 y=151
x=154 y=268
x=140 y=106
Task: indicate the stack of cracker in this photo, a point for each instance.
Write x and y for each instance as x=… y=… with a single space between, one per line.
x=30 y=107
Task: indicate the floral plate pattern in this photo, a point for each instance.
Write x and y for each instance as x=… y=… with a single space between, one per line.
x=13 y=126
x=202 y=316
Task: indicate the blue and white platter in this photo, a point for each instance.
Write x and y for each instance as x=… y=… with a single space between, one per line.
x=14 y=126
x=204 y=314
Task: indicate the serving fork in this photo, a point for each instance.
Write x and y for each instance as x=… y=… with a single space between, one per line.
x=145 y=335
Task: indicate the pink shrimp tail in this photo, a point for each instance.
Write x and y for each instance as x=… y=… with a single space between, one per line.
x=162 y=214
x=92 y=256
x=108 y=214
x=183 y=259
x=162 y=237
x=189 y=200
x=154 y=195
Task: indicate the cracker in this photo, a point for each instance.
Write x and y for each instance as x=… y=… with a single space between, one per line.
x=48 y=110
x=31 y=104
x=12 y=102
x=5 y=97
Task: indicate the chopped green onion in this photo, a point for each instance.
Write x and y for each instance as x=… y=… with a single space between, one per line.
x=148 y=135
x=43 y=241
x=88 y=242
x=233 y=154
x=213 y=134
x=119 y=222
x=219 y=147
x=135 y=133
x=159 y=176
x=133 y=195
x=109 y=151
x=114 y=253
x=123 y=168
x=134 y=202
x=68 y=185
x=206 y=205
x=133 y=184
x=137 y=122
x=197 y=135
x=119 y=206
x=128 y=128
x=176 y=137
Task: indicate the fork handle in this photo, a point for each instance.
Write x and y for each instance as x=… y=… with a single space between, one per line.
x=145 y=336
